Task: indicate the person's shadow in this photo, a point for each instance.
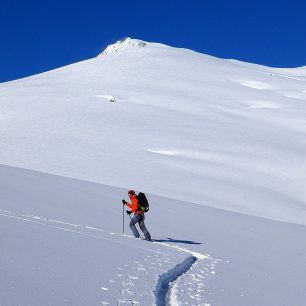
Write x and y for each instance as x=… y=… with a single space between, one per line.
x=176 y=241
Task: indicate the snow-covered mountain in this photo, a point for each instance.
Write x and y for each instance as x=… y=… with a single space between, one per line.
x=206 y=138
x=185 y=125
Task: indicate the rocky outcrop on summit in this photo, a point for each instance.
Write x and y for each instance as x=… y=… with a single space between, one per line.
x=123 y=44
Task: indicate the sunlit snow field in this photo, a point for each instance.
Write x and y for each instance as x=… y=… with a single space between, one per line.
x=217 y=145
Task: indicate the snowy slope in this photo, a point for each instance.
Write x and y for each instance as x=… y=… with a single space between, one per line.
x=217 y=145
x=216 y=132
x=61 y=245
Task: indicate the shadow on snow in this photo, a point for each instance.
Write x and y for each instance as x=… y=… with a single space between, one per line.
x=176 y=241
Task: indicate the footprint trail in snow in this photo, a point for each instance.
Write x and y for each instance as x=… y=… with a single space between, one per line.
x=168 y=275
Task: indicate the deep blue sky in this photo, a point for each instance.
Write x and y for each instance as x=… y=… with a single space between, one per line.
x=37 y=36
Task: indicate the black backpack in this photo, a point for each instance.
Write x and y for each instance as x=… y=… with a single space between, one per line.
x=143 y=202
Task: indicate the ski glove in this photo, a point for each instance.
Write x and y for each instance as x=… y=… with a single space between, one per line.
x=128 y=212
x=124 y=201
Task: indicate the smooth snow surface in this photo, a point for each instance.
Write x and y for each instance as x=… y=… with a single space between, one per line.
x=217 y=145
x=232 y=133
x=61 y=244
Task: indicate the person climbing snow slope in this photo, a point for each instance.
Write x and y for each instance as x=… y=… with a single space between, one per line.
x=138 y=216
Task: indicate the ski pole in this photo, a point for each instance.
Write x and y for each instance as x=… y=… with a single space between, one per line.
x=123 y=219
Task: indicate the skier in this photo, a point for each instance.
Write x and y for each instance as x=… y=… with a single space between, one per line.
x=138 y=216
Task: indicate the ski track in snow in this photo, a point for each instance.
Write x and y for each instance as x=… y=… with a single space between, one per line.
x=174 y=285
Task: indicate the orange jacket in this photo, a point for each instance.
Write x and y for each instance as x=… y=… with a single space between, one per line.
x=135 y=205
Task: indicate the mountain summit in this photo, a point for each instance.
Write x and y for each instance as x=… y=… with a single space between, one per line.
x=123 y=44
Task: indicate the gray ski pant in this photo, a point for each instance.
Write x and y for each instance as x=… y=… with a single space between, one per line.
x=140 y=220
